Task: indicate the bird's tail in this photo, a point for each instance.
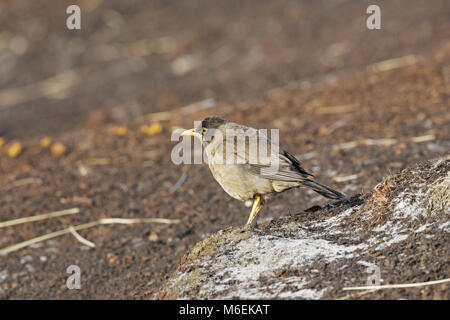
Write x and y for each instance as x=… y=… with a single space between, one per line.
x=323 y=189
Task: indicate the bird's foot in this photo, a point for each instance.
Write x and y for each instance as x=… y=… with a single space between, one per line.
x=249 y=227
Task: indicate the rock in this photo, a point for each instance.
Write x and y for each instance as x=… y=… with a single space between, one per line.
x=394 y=234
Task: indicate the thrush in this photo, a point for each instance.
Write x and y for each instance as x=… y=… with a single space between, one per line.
x=250 y=166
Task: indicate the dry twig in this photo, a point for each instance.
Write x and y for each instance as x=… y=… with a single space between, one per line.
x=55 y=234
x=80 y=238
x=39 y=217
x=398 y=286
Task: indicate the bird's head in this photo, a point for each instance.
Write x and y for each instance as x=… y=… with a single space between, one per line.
x=207 y=128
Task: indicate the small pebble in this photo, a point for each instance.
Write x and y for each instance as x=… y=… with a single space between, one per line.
x=83 y=171
x=58 y=149
x=153 y=237
x=46 y=142
x=154 y=128
x=120 y=131
x=14 y=150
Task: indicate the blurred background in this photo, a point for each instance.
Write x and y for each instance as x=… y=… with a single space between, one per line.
x=86 y=117
x=135 y=57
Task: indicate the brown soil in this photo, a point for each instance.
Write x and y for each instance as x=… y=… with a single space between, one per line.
x=305 y=67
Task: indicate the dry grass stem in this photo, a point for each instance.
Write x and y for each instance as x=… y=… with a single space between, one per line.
x=88 y=225
x=39 y=217
x=398 y=286
x=80 y=238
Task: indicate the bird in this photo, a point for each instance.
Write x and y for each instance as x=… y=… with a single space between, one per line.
x=250 y=166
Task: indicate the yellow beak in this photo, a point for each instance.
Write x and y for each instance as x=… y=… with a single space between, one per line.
x=191 y=132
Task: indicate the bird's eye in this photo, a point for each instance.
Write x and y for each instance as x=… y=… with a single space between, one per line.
x=204 y=130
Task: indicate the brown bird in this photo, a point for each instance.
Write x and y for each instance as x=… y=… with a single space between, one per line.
x=249 y=166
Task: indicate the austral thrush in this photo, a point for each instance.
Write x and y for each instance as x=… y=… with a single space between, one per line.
x=254 y=168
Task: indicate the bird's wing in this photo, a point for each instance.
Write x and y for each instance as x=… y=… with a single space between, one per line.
x=277 y=165
x=286 y=170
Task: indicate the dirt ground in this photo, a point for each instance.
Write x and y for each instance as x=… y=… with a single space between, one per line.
x=310 y=68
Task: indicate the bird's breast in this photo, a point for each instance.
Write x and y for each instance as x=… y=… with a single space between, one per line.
x=239 y=184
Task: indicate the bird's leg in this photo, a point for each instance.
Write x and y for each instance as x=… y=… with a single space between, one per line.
x=257 y=205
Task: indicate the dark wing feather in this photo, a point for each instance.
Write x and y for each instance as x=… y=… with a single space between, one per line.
x=295 y=163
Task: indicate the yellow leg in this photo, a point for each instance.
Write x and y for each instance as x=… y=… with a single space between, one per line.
x=257 y=205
